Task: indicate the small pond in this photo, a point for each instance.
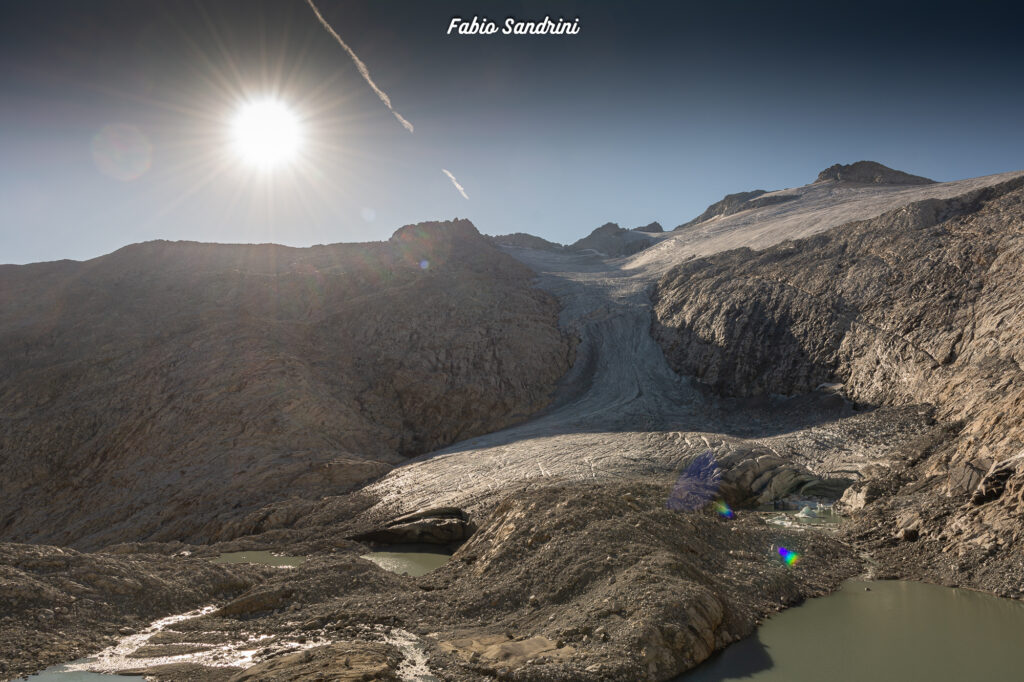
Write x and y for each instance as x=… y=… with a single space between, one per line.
x=413 y=560
x=60 y=673
x=895 y=631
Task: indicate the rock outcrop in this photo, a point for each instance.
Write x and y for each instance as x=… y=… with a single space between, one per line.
x=870 y=172
x=341 y=662
x=166 y=389
x=441 y=526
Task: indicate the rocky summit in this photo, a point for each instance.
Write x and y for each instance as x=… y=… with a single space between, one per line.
x=870 y=172
x=587 y=437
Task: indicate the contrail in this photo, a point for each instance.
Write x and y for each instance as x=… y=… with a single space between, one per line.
x=366 y=74
x=380 y=93
x=456 y=183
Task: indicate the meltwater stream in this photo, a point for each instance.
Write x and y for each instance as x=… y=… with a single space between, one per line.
x=894 y=630
x=412 y=560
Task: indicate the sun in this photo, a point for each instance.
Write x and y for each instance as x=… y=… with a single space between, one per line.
x=266 y=133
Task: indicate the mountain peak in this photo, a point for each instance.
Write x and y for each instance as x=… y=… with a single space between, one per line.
x=613 y=241
x=870 y=172
x=650 y=227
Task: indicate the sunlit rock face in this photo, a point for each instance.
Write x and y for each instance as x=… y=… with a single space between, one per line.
x=921 y=305
x=166 y=388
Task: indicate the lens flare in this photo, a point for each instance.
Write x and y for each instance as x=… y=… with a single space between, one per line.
x=724 y=510
x=122 y=152
x=789 y=557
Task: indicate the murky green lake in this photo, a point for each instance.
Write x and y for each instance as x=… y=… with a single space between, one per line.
x=412 y=560
x=258 y=557
x=896 y=631
x=59 y=673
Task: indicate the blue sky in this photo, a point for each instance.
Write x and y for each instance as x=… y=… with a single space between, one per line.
x=652 y=112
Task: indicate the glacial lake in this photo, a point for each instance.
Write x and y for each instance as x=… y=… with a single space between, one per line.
x=413 y=560
x=896 y=631
x=59 y=673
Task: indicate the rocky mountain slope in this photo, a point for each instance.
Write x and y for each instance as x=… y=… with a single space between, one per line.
x=921 y=305
x=163 y=389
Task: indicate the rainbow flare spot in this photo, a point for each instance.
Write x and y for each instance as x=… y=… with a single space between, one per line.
x=789 y=556
x=724 y=510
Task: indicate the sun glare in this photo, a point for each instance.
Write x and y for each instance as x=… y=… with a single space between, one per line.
x=266 y=133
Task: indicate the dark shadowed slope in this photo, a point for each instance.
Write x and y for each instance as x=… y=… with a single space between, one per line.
x=162 y=389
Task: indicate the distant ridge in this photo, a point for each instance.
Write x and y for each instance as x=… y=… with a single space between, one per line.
x=654 y=227
x=612 y=241
x=523 y=240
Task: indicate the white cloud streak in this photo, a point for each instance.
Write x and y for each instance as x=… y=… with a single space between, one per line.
x=456 y=183
x=365 y=73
